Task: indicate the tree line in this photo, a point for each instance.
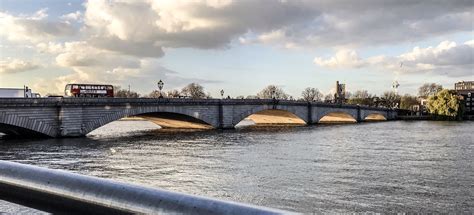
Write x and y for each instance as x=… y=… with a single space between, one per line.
x=439 y=101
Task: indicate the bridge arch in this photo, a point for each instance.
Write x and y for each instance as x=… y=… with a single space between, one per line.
x=262 y=114
x=13 y=124
x=344 y=113
x=158 y=115
x=337 y=117
x=375 y=117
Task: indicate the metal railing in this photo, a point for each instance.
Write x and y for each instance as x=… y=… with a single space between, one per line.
x=59 y=191
x=15 y=102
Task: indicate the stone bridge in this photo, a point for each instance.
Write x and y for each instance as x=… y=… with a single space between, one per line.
x=71 y=117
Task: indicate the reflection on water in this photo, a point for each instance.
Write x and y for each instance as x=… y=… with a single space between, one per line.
x=369 y=167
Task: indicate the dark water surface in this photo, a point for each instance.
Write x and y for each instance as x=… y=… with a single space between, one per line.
x=394 y=166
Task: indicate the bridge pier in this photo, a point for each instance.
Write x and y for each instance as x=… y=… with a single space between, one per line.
x=359 y=117
x=310 y=114
x=71 y=122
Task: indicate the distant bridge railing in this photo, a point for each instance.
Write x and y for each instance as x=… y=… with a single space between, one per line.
x=59 y=191
x=118 y=101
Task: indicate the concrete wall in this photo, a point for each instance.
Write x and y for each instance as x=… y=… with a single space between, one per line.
x=68 y=117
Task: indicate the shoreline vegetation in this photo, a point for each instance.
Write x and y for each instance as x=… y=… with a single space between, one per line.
x=445 y=105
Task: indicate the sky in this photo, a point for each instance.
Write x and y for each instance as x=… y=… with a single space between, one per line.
x=239 y=46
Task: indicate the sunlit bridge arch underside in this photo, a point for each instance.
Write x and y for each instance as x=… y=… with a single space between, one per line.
x=337 y=117
x=273 y=117
x=167 y=120
x=175 y=120
x=375 y=117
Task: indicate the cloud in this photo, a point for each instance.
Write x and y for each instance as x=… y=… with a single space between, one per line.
x=143 y=28
x=447 y=59
x=81 y=54
x=50 y=47
x=76 y=16
x=343 y=59
x=16 y=65
x=383 y=22
x=142 y=78
x=118 y=39
x=148 y=26
x=33 y=28
x=90 y=64
x=130 y=26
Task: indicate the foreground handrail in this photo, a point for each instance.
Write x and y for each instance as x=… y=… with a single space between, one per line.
x=61 y=191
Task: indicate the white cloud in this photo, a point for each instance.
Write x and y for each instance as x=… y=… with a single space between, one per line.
x=142 y=78
x=343 y=59
x=90 y=64
x=50 y=47
x=118 y=38
x=16 y=65
x=198 y=24
x=76 y=16
x=81 y=54
x=128 y=26
x=448 y=59
x=33 y=28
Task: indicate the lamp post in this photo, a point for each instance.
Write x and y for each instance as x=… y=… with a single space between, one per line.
x=160 y=86
x=222 y=94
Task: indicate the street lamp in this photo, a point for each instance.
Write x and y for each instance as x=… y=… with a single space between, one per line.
x=160 y=86
x=222 y=93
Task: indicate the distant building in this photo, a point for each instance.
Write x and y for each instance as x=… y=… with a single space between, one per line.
x=340 y=95
x=422 y=107
x=466 y=90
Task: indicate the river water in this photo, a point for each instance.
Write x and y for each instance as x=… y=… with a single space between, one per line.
x=397 y=166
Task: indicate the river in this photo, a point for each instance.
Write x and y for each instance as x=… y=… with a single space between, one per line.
x=396 y=166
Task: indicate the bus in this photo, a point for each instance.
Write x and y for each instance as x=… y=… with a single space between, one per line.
x=89 y=90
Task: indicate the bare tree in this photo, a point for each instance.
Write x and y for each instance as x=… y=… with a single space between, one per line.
x=361 y=94
x=429 y=89
x=121 y=93
x=154 y=94
x=390 y=99
x=311 y=94
x=329 y=97
x=194 y=90
x=208 y=95
x=407 y=102
x=172 y=94
x=361 y=97
x=272 y=91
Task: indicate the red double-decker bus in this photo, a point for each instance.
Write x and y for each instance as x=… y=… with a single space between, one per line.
x=89 y=90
